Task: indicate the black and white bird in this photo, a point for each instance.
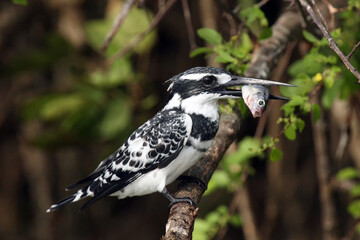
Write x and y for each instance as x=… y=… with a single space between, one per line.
x=167 y=145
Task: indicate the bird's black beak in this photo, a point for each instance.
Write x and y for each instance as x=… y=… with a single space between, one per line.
x=240 y=81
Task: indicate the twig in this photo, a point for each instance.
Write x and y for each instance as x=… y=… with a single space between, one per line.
x=353 y=50
x=330 y=39
x=117 y=23
x=332 y=10
x=262 y=3
x=323 y=174
x=315 y=6
x=188 y=23
x=160 y=14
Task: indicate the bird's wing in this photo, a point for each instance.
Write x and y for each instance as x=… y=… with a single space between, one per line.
x=153 y=145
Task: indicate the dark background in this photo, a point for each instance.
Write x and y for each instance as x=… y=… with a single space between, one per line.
x=39 y=158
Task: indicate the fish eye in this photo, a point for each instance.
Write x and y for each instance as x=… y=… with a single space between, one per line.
x=208 y=80
x=261 y=102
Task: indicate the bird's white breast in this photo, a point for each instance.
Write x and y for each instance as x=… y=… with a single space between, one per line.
x=157 y=179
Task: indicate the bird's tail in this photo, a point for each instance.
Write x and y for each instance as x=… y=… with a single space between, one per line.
x=82 y=193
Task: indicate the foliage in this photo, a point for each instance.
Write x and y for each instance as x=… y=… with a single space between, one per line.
x=234 y=53
x=319 y=72
x=95 y=105
x=256 y=21
x=208 y=227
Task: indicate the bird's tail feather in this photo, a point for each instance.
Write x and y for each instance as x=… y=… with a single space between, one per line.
x=73 y=198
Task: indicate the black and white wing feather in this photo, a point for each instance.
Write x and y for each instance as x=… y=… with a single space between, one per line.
x=153 y=145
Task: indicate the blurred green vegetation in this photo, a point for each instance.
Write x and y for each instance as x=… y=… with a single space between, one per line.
x=97 y=103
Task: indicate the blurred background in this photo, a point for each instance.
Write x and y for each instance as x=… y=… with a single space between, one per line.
x=65 y=106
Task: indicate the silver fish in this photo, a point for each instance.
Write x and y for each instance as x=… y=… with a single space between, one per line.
x=256 y=93
x=255 y=97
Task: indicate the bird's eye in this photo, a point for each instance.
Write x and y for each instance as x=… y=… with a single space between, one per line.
x=261 y=102
x=208 y=80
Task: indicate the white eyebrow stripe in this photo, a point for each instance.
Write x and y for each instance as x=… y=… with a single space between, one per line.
x=222 y=78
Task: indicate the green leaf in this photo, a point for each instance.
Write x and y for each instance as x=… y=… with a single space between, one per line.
x=347 y=173
x=201 y=229
x=355 y=191
x=275 y=155
x=266 y=33
x=309 y=65
x=207 y=228
x=201 y=50
x=248 y=148
x=209 y=35
x=115 y=119
x=309 y=37
x=357 y=226
x=118 y=74
x=300 y=124
x=20 y=2
x=354 y=4
x=61 y=105
x=243 y=108
x=246 y=43
x=253 y=13
x=224 y=57
x=354 y=209
x=316 y=112
x=303 y=83
x=235 y=220
x=290 y=132
x=296 y=101
x=330 y=94
x=220 y=179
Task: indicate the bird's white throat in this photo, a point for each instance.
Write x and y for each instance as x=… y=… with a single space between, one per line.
x=204 y=104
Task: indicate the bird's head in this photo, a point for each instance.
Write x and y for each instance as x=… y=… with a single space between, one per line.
x=210 y=83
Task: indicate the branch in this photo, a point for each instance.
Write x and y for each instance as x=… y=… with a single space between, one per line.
x=353 y=50
x=330 y=39
x=160 y=14
x=182 y=216
x=188 y=23
x=286 y=28
x=117 y=23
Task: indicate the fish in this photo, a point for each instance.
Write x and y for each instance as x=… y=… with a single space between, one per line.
x=255 y=98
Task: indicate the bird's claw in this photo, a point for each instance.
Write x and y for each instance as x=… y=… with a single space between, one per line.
x=183 y=199
x=191 y=179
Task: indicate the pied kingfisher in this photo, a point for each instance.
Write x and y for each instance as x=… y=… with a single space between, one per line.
x=167 y=145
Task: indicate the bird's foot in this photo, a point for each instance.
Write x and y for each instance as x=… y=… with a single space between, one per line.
x=174 y=200
x=191 y=179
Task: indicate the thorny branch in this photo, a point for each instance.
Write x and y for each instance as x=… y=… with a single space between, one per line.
x=181 y=216
x=329 y=38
